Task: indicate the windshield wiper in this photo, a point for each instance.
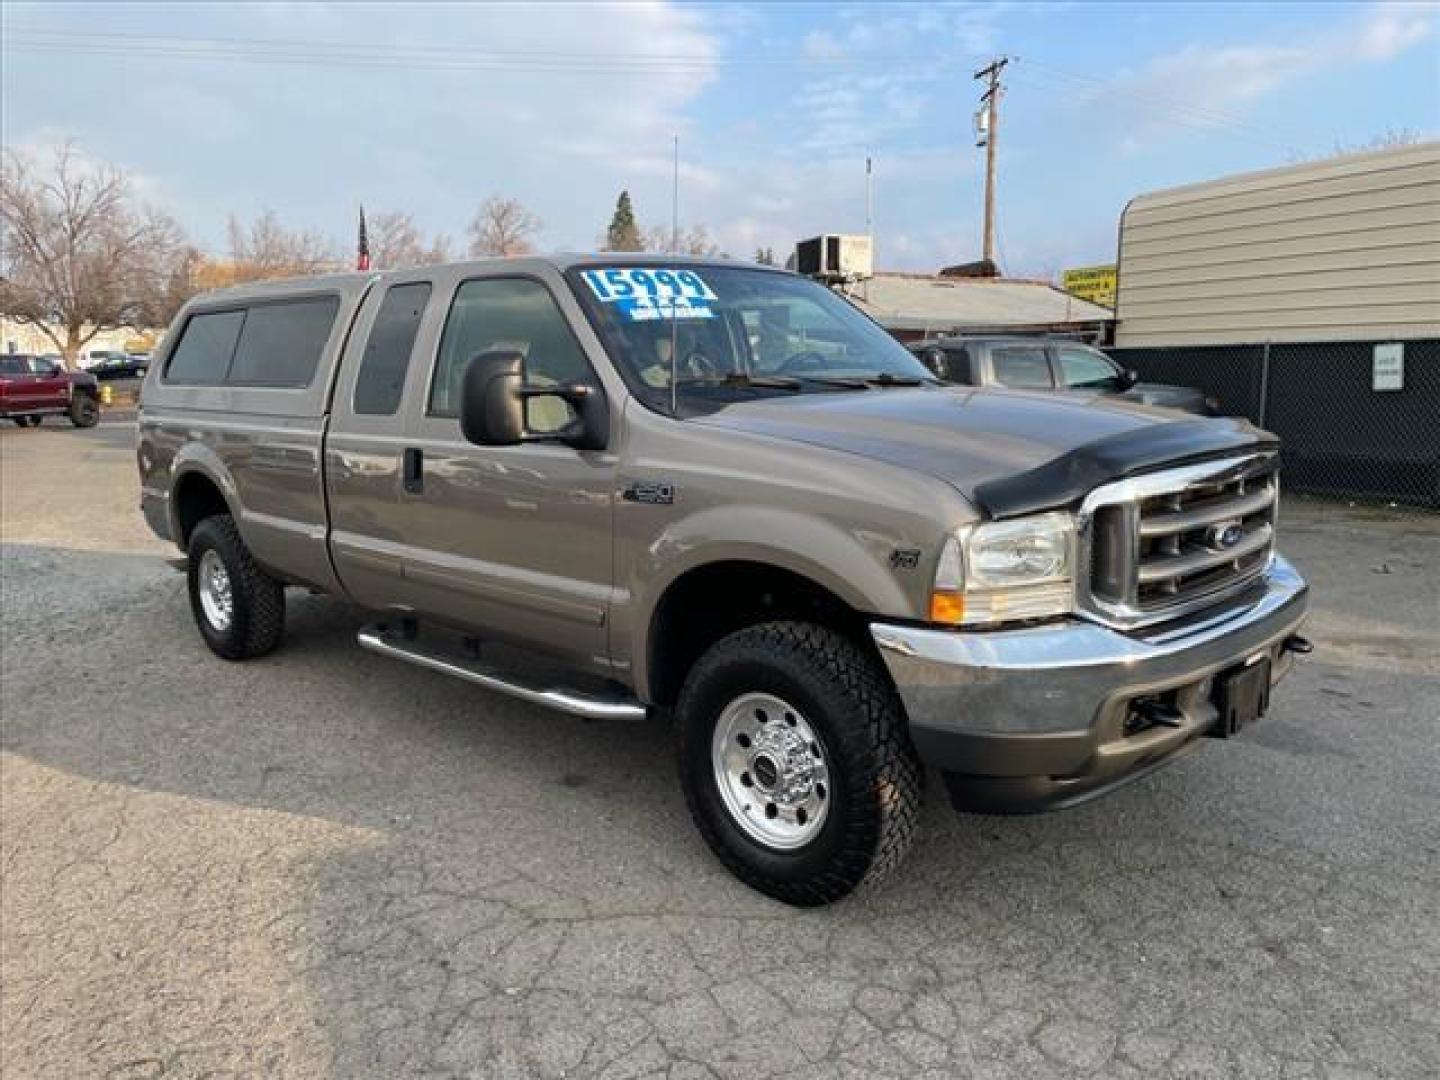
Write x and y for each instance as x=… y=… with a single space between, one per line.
x=741 y=380
x=885 y=378
x=865 y=382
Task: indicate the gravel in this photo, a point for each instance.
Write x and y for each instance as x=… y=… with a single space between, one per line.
x=327 y=863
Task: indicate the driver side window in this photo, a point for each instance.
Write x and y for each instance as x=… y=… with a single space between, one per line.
x=511 y=315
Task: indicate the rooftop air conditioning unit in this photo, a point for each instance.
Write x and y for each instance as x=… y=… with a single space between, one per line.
x=835 y=258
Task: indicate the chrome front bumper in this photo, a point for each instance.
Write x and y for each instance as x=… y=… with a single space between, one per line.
x=1039 y=717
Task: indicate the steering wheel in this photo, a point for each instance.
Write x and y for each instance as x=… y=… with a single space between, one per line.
x=809 y=360
x=697 y=363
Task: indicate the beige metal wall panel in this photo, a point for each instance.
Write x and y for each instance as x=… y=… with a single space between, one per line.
x=1340 y=250
x=1414 y=273
x=1225 y=235
x=1299 y=178
x=1300 y=194
x=1358 y=296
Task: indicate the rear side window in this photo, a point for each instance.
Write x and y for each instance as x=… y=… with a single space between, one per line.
x=280 y=344
x=381 y=381
x=206 y=345
x=13 y=365
x=1024 y=367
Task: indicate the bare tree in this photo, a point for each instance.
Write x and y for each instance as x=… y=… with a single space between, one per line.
x=266 y=249
x=503 y=227
x=183 y=279
x=78 y=253
x=1389 y=139
x=694 y=240
x=396 y=243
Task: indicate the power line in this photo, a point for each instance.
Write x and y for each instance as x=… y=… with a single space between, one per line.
x=40 y=39
x=1187 y=114
x=130 y=45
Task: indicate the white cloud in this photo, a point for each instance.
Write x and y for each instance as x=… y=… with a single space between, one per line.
x=1209 y=85
x=821 y=45
x=1390 y=29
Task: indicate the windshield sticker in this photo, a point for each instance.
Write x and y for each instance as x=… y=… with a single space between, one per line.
x=648 y=309
x=621 y=283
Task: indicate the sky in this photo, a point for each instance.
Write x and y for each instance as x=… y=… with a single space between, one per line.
x=310 y=110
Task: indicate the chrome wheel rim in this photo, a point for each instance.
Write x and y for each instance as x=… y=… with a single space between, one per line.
x=215 y=597
x=772 y=772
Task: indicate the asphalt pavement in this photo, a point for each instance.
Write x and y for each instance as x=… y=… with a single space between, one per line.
x=330 y=864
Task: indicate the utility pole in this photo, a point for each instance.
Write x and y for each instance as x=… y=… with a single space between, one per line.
x=990 y=128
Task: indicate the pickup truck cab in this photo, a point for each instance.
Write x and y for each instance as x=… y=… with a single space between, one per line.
x=1028 y=363
x=34 y=387
x=628 y=487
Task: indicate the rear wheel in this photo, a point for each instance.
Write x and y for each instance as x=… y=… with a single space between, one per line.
x=84 y=411
x=239 y=608
x=796 y=763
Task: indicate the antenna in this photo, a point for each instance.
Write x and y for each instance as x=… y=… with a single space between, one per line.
x=674 y=250
x=675 y=202
x=869 y=226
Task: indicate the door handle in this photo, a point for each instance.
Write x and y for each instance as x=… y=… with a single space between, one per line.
x=414 y=470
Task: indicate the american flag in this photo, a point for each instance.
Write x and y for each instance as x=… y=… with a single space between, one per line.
x=362 y=249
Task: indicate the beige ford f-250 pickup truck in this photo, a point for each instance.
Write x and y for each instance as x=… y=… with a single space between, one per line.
x=634 y=486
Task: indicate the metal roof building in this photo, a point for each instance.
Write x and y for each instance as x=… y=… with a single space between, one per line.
x=1344 y=249
x=913 y=306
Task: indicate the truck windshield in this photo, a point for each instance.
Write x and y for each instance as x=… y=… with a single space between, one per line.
x=731 y=333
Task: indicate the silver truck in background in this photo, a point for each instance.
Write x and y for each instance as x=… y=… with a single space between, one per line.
x=621 y=486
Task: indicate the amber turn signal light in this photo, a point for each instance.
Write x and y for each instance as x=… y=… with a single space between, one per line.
x=947 y=607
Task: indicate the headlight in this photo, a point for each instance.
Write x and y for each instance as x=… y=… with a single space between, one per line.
x=1006 y=570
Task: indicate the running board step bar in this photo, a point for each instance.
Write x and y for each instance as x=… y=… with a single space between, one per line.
x=599 y=706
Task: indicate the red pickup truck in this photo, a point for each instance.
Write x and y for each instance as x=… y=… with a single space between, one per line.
x=34 y=387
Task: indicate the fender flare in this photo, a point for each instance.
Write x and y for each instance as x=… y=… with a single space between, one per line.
x=197 y=459
x=814 y=548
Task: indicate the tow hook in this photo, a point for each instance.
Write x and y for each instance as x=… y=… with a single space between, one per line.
x=1300 y=646
x=1152 y=712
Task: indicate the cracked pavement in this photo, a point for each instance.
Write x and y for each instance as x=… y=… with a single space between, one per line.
x=327 y=863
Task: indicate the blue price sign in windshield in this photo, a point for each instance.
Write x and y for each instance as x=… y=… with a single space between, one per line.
x=643 y=283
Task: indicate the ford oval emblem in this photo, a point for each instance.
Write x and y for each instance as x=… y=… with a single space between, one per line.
x=1224 y=535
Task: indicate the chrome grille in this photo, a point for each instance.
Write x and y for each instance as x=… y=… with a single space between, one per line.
x=1165 y=544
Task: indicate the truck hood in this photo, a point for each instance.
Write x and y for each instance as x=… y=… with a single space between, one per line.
x=1007 y=451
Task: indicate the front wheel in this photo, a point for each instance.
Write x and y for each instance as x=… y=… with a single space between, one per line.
x=84 y=411
x=796 y=762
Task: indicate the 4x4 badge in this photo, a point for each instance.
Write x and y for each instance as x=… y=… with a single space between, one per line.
x=905 y=558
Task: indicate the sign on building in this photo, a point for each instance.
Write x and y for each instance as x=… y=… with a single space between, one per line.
x=1388 y=368
x=1093 y=283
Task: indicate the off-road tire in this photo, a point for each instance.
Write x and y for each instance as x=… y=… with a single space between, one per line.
x=84 y=411
x=876 y=779
x=257 y=619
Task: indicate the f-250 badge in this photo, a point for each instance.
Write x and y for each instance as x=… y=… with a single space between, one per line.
x=652 y=492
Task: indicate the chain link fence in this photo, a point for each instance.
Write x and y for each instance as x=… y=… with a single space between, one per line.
x=1341 y=437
